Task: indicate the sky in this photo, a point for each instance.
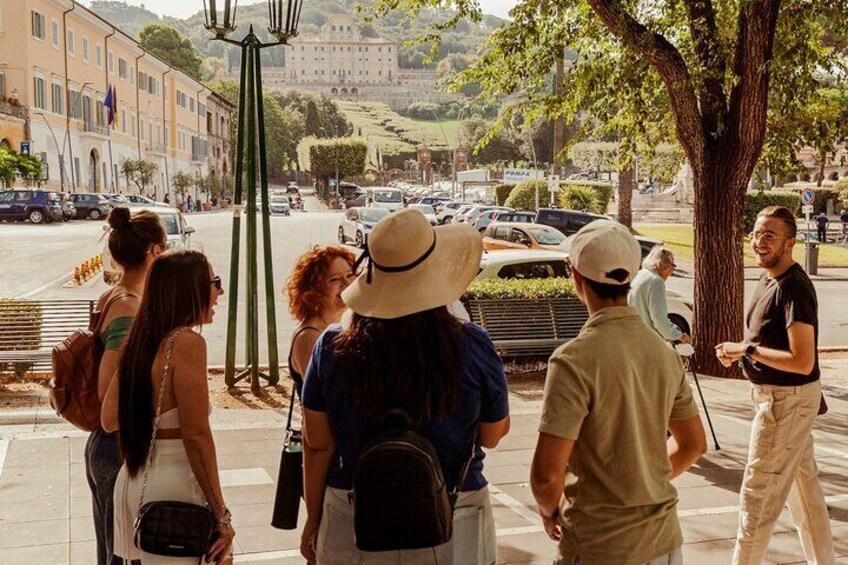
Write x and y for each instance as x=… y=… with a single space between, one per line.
x=186 y=8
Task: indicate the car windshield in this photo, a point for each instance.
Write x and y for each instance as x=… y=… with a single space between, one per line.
x=171 y=223
x=279 y=200
x=372 y=214
x=547 y=236
x=387 y=196
x=423 y=208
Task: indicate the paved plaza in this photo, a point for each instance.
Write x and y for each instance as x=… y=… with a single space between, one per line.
x=45 y=513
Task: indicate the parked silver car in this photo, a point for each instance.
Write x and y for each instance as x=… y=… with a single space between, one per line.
x=357 y=223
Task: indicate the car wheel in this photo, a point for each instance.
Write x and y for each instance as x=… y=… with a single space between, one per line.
x=341 y=236
x=680 y=322
x=95 y=214
x=35 y=216
x=360 y=241
x=447 y=220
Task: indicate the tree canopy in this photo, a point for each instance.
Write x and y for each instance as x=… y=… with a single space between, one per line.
x=172 y=47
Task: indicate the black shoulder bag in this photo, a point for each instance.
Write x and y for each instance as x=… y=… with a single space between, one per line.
x=290 y=478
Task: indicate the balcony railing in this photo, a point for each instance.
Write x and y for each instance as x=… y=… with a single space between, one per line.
x=99 y=129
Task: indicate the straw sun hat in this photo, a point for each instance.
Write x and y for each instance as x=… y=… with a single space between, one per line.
x=411 y=266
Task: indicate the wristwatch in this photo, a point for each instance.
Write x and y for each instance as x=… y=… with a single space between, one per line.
x=750 y=350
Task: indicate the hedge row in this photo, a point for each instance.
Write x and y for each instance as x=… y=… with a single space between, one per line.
x=495 y=289
x=502 y=193
x=756 y=201
x=592 y=196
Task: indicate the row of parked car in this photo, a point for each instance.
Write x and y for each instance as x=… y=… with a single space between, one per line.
x=44 y=206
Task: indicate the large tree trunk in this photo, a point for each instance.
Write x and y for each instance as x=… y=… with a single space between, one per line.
x=822 y=163
x=719 y=269
x=624 y=204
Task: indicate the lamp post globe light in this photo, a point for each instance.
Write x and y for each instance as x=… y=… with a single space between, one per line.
x=283 y=19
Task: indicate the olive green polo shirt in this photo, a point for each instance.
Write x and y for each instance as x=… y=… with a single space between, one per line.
x=613 y=390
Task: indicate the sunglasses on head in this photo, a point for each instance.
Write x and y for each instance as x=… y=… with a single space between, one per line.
x=216 y=280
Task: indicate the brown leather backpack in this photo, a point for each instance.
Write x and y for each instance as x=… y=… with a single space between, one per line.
x=76 y=362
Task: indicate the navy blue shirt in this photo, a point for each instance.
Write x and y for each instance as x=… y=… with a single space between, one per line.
x=484 y=398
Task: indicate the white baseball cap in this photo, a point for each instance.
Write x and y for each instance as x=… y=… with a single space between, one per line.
x=605 y=252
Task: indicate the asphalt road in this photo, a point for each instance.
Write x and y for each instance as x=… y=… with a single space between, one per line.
x=34 y=258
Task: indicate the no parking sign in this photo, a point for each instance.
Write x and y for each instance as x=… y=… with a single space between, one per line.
x=808 y=196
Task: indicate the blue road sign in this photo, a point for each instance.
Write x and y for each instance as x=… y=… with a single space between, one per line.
x=24 y=147
x=808 y=196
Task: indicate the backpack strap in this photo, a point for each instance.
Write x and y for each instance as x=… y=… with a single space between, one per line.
x=101 y=315
x=454 y=496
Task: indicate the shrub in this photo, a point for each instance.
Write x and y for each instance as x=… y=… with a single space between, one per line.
x=601 y=190
x=842 y=188
x=502 y=192
x=495 y=289
x=523 y=196
x=756 y=201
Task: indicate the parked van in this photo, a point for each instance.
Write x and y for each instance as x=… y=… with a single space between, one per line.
x=385 y=197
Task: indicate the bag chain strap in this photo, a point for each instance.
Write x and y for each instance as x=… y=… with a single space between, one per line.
x=149 y=461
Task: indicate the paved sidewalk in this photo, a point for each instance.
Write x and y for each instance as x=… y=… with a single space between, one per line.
x=45 y=514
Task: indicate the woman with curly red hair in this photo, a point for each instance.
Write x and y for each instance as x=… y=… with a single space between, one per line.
x=315 y=301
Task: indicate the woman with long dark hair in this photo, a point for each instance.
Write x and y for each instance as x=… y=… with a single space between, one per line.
x=315 y=300
x=134 y=243
x=164 y=365
x=402 y=349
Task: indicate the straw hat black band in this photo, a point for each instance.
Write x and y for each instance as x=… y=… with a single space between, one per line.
x=366 y=254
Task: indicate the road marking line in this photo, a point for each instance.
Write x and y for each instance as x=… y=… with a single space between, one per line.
x=515 y=505
x=54 y=283
x=4 y=449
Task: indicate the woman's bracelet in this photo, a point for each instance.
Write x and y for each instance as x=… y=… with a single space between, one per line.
x=226 y=518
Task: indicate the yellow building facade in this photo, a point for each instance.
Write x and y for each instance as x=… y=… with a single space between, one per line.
x=58 y=60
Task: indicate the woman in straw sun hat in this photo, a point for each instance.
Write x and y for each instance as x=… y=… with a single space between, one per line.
x=402 y=349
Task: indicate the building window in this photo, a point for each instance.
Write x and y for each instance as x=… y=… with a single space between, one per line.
x=132 y=75
x=54 y=33
x=142 y=81
x=85 y=49
x=122 y=68
x=132 y=125
x=40 y=98
x=99 y=115
x=191 y=104
x=98 y=56
x=37 y=25
x=72 y=48
x=124 y=121
x=74 y=100
x=111 y=62
x=58 y=100
x=2 y=83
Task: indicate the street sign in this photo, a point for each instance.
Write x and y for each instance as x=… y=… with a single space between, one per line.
x=808 y=209
x=808 y=196
x=553 y=183
x=519 y=175
x=25 y=145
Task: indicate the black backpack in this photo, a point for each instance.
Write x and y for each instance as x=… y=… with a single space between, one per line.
x=399 y=495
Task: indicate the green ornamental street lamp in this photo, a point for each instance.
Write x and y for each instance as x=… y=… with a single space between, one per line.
x=284 y=16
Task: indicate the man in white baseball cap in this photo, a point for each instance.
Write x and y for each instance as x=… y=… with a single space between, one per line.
x=610 y=396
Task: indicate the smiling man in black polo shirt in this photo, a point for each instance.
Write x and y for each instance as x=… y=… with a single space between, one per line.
x=779 y=356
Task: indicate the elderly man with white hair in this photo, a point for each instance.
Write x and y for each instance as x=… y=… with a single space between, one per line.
x=647 y=294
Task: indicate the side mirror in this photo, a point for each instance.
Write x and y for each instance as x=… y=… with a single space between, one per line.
x=189 y=230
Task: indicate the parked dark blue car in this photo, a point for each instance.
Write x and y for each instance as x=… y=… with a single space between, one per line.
x=37 y=206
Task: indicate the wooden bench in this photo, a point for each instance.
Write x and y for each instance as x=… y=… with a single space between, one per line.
x=529 y=327
x=29 y=329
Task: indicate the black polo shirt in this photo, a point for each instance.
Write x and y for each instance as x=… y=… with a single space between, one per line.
x=777 y=304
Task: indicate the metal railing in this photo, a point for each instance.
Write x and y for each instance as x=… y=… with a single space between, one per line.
x=92 y=127
x=29 y=329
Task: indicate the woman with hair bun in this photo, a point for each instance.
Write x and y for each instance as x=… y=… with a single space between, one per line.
x=134 y=243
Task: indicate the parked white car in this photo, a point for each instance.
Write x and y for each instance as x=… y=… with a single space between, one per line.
x=385 y=197
x=427 y=210
x=539 y=264
x=446 y=211
x=357 y=223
